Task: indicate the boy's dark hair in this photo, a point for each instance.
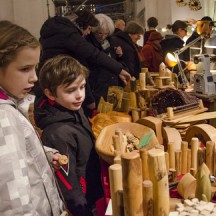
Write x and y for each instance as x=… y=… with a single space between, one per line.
x=60 y=70
x=152 y=22
x=177 y=25
x=86 y=18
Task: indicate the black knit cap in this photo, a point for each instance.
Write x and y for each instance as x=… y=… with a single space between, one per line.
x=86 y=18
x=177 y=25
x=207 y=18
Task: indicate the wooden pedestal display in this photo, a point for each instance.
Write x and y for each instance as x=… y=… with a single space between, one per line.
x=158 y=176
x=132 y=184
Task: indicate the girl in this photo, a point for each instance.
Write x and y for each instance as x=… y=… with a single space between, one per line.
x=27 y=186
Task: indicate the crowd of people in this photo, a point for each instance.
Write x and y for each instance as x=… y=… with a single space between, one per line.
x=77 y=58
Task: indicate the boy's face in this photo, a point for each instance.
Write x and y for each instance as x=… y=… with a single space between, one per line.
x=70 y=97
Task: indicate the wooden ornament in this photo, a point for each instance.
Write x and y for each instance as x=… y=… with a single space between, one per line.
x=187 y=186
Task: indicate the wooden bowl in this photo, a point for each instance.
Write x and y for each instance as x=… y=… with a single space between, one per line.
x=104 y=140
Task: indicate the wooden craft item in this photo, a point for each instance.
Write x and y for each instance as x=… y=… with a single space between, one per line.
x=117 y=159
x=120 y=202
x=148 y=208
x=63 y=160
x=171 y=135
x=104 y=140
x=132 y=184
x=199 y=117
x=188 y=160
x=210 y=146
x=178 y=162
x=117 y=140
x=135 y=115
x=155 y=124
x=115 y=179
x=171 y=152
x=114 y=96
x=167 y=160
x=200 y=157
x=193 y=171
x=203 y=185
x=187 y=186
x=159 y=177
x=194 y=149
x=215 y=161
x=142 y=79
x=184 y=151
x=187 y=116
x=204 y=132
x=173 y=174
x=144 y=159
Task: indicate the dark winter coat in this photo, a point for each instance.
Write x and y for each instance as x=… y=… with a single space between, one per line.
x=130 y=52
x=152 y=56
x=172 y=43
x=100 y=78
x=59 y=35
x=70 y=133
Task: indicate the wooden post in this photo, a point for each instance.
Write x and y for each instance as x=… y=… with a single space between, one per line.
x=144 y=159
x=194 y=149
x=135 y=115
x=184 y=150
x=115 y=178
x=148 y=209
x=170 y=113
x=215 y=160
x=167 y=160
x=188 y=160
x=200 y=158
x=120 y=202
x=171 y=155
x=142 y=79
x=116 y=143
x=159 y=177
x=132 y=184
x=178 y=162
x=210 y=156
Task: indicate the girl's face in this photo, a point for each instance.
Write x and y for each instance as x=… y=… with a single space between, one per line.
x=70 y=97
x=19 y=76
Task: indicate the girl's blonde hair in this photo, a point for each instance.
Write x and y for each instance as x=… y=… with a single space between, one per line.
x=13 y=37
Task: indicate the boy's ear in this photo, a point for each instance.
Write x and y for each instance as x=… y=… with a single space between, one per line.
x=48 y=93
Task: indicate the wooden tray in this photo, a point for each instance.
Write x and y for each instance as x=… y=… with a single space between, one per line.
x=104 y=140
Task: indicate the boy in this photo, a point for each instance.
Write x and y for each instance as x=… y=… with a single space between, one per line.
x=65 y=128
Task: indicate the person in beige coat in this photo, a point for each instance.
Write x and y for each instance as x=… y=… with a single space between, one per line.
x=27 y=184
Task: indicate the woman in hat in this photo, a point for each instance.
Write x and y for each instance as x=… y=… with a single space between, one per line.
x=152 y=52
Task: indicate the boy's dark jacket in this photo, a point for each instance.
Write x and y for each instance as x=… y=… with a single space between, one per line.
x=71 y=134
